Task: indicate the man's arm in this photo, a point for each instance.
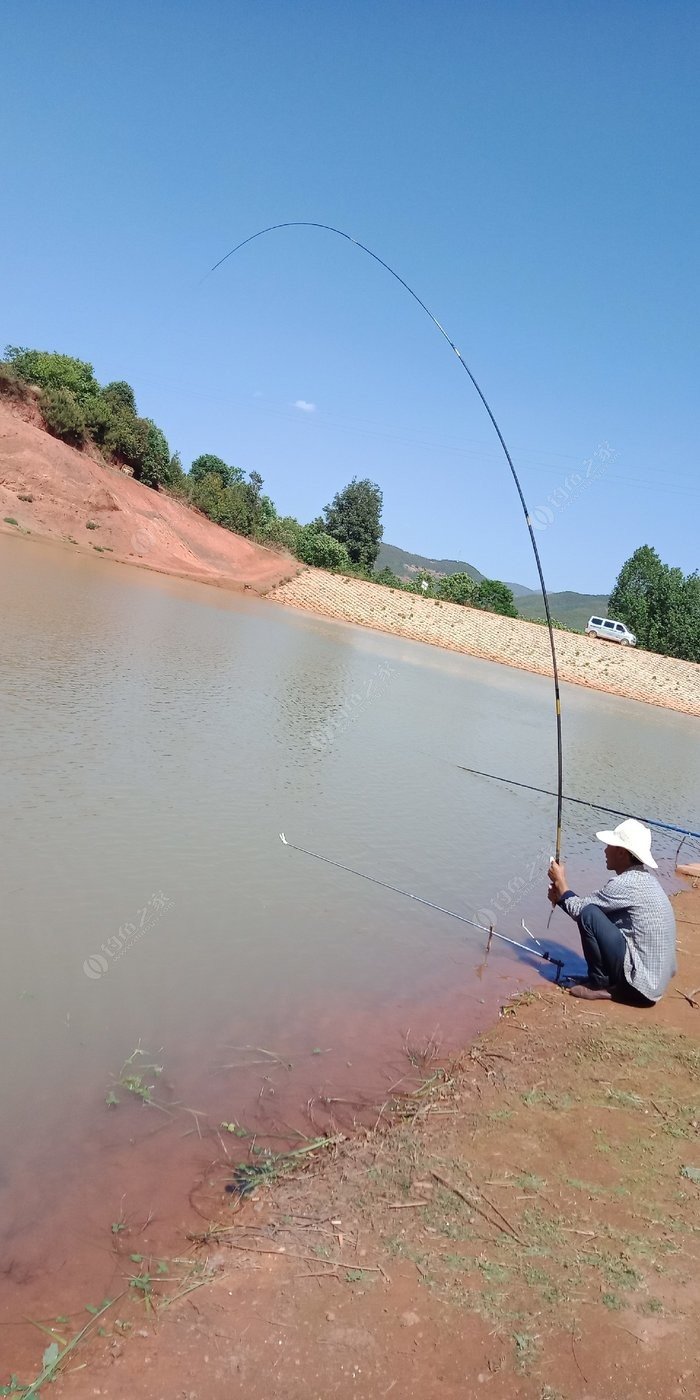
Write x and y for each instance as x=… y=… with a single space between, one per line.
x=612 y=897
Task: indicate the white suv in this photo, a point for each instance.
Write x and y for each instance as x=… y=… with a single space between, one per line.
x=611 y=631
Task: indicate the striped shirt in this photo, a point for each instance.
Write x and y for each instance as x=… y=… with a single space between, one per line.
x=643 y=913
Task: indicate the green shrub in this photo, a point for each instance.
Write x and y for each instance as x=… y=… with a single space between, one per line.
x=282 y=530
x=494 y=596
x=457 y=588
x=208 y=463
x=206 y=495
x=119 y=397
x=63 y=415
x=153 y=463
x=98 y=417
x=10 y=520
x=91 y=525
x=52 y=371
x=388 y=578
x=322 y=551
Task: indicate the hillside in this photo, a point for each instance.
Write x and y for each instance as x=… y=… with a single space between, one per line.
x=53 y=490
x=404 y=564
x=573 y=609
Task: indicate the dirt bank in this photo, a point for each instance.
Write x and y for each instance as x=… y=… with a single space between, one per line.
x=635 y=674
x=56 y=492
x=60 y=493
x=527 y=1225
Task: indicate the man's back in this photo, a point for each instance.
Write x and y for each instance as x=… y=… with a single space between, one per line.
x=643 y=912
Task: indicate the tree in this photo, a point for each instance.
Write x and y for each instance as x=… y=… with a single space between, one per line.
x=152 y=460
x=354 y=519
x=207 y=494
x=120 y=397
x=494 y=596
x=457 y=588
x=388 y=578
x=635 y=596
x=660 y=604
x=322 y=551
x=176 y=476
x=207 y=462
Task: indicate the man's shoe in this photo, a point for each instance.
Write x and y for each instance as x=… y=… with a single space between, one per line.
x=587 y=993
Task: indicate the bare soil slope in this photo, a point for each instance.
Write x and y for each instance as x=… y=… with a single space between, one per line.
x=54 y=491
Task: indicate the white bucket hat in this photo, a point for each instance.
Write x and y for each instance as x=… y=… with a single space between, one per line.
x=634 y=837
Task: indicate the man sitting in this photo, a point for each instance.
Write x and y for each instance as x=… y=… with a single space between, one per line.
x=628 y=929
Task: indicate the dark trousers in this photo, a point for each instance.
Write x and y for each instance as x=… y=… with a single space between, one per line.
x=603 y=948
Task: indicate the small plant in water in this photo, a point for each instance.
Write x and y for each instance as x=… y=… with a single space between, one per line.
x=234 y=1128
x=135 y=1081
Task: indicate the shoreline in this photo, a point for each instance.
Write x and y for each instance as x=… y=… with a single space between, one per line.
x=52 y=492
x=513 y=642
x=520 y=1219
x=662 y=681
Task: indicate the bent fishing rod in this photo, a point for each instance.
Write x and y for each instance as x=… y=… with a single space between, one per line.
x=538 y=952
x=329 y=228
x=581 y=802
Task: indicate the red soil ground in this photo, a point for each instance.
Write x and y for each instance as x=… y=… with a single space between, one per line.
x=527 y=1225
x=53 y=491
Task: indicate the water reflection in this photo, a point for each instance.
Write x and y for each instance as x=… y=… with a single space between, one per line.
x=157 y=738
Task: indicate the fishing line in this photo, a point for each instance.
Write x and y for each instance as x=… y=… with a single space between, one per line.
x=439 y=908
x=329 y=228
x=581 y=802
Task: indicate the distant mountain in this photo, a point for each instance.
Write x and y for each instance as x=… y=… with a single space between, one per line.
x=405 y=565
x=573 y=609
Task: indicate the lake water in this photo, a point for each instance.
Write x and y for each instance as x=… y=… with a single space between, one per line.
x=157 y=738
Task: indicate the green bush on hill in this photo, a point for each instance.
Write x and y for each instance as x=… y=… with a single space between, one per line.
x=494 y=596
x=321 y=550
x=63 y=415
x=457 y=588
x=76 y=408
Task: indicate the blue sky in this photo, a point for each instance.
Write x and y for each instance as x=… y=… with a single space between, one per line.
x=530 y=168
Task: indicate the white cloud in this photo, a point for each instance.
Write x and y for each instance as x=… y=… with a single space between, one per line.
x=303 y=406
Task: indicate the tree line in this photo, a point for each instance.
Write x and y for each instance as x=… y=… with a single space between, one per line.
x=345 y=538
x=659 y=603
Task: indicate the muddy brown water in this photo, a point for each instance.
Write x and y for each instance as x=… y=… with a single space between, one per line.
x=157 y=738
